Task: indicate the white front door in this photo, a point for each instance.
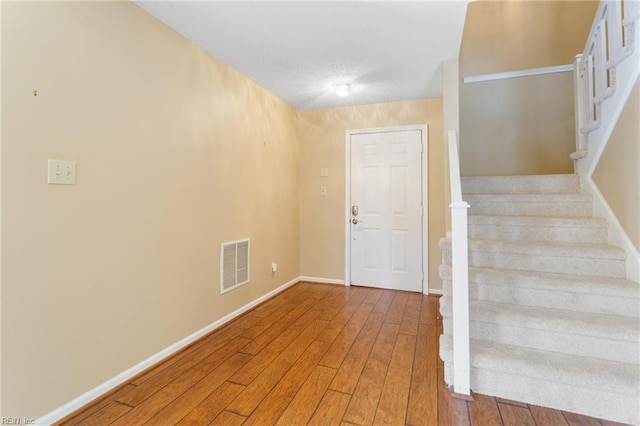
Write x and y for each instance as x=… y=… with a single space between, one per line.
x=386 y=209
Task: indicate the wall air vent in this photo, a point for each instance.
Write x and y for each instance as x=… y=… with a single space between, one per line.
x=234 y=264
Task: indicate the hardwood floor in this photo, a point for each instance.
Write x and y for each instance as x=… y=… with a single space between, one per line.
x=315 y=354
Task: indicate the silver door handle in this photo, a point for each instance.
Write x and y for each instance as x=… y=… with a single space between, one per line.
x=355 y=221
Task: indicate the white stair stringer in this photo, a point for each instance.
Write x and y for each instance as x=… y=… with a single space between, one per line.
x=553 y=320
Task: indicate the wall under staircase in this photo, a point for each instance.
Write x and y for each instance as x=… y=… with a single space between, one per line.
x=553 y=321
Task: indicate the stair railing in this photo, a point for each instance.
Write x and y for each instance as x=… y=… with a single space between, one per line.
x=460 y=274
x=600 y=73
x=604 y=76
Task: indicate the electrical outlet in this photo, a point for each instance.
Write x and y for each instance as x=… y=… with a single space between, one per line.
x=323 y=191
x=61 y=172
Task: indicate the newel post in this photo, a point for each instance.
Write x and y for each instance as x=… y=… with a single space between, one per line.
x=460 y=296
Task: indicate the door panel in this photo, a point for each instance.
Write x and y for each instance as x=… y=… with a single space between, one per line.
x=386 y=185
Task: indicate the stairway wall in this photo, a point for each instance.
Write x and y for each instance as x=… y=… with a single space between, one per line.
x=498 y=135
x=617 y=174
x=520 y=125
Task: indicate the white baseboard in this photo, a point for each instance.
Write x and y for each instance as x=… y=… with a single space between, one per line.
x=321 y=280
x=617 y=234
x=437 y=291
x=63 y=411
x=84 y=399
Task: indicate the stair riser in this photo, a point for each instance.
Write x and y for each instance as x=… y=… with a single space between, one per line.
x=560 y=342
x=568 y=265
x=572 y=235
x=591 y=402
x=522 y=184
x=531 y=209
x=547 y=298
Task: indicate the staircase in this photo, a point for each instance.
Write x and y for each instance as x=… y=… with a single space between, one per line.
x=553 y=321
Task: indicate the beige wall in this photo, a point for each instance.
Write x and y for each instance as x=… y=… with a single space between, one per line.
x=523 y=125
x=617 y=174
x=322 y=144
x=517 y=126
x=513 y=35
x=176 y=153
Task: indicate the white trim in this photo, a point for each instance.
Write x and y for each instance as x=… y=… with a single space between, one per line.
x=520 y=73
x=425 y=209
x=437 y=291
x=423 y=128
x=347 y=208
x=321 y=280
x=77 y=403
x=617 y=235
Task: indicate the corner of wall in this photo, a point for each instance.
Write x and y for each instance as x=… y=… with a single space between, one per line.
x=451 y=116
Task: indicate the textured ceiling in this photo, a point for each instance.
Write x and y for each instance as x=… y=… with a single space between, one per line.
x=388 y=51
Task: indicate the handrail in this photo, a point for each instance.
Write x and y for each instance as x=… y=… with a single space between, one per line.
x=531 y=72
x=460 y=274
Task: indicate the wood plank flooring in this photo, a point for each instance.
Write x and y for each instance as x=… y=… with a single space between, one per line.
x=315 y=354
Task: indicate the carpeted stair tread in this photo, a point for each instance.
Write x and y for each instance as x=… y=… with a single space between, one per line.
x=538 y=221
x=570 y=198
x=613 y=327
x=552 y=229
x=597 y=251
x=537 y=183
x=578 y=371
x=580 y=284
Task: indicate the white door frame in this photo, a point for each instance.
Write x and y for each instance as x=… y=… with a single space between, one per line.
x=425 y=202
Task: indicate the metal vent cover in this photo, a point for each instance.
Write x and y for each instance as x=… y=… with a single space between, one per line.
x=234 y=264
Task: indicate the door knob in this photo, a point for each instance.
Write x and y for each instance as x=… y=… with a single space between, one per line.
x=354 y=221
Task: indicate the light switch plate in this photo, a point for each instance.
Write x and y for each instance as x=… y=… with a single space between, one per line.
x=324 y=172
x=323 y=191
x=61 y=172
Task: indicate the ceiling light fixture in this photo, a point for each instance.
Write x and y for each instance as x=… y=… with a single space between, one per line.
x=343 y=89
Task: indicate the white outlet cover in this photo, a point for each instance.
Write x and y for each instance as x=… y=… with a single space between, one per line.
x=61 y=172
x=323 y=191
